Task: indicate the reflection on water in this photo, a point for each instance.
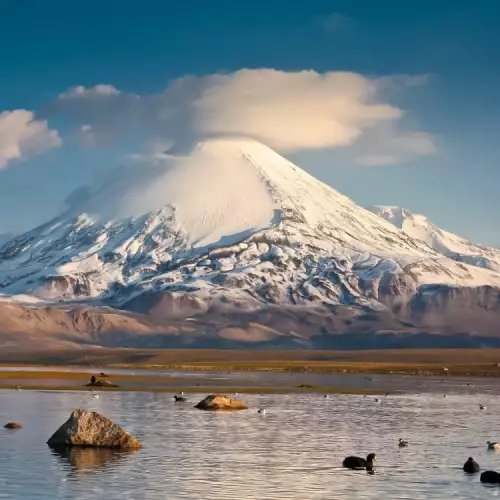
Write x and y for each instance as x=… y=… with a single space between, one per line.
x=88 y=460
x=294 y=451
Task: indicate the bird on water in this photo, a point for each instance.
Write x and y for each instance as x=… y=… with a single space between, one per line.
x=492 y=446
x=358 y=463
x=471 y=466
x=490 y=476
x=402 y=443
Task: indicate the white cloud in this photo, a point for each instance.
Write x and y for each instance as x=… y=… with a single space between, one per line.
x=286 y=110
x=97 y=90
x=290 y=111
x=385 y=145
x=22 y=135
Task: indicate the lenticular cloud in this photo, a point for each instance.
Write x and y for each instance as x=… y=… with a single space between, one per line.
x=286 y=110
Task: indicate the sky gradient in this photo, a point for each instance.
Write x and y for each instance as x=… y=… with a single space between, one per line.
x=434 y=64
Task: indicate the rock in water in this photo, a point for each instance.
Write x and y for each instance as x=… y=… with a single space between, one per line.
x=87 y=428
x=220 y=402
x=13 y=425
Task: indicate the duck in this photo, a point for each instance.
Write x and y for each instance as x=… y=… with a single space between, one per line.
x=471 y=466
x=357 y=463
x=493 y=446
x=180 y=399
x=261 y=410
x=482 y=407
x=96 y=395
x=402 y=443
x=377 y=400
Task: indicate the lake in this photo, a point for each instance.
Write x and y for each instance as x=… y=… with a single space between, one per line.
x=294 y=451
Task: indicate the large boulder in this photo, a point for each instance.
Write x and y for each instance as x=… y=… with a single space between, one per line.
x=87 y=428
x=220 y=402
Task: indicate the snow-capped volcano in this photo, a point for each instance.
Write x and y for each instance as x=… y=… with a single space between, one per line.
x=228 y=225
x=420 y=228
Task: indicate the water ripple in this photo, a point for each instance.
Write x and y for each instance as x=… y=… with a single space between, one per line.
x=294 y=451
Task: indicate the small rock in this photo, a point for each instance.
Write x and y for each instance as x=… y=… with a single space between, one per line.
x=13 y=425
x=86 y=428
x=216 y=402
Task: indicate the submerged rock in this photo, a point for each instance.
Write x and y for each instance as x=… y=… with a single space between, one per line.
x=13 y=425
x=220 y=402
x=87 y=428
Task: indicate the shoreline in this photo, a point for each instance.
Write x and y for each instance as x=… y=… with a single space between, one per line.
x=204 y=390
x=54 y=379
x=342 y=368
x=195 y=370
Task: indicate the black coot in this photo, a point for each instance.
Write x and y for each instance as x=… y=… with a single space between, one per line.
x=490 y=476
x=359 y=463
x=471 y=466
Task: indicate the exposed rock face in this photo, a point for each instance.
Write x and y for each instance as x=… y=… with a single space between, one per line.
x=86 y=428
x=475 y=310
x=13 y=425
x=167 y=305
x=220 y=402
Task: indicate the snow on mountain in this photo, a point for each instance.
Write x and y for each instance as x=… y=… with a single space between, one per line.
x=420 y=228
x=232 y=223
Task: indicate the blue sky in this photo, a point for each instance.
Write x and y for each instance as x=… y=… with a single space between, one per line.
x=141 y=47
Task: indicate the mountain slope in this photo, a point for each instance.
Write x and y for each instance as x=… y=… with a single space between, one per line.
x=227 y=228
x=420 y=228
x=5 y=237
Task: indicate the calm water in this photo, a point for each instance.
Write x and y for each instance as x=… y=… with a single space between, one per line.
x=292 y=452
x=391 y=383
